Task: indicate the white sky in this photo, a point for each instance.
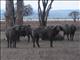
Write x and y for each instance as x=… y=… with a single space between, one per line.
x=57 y=5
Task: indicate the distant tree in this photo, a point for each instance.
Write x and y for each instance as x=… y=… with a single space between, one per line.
x=74 y=15
x=10 y=19
x=27 y=10
x=43 y=13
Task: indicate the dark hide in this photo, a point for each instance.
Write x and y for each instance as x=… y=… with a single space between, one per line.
x=69 y=30
x=45 y=33
x=25 y=31
x=12 y=36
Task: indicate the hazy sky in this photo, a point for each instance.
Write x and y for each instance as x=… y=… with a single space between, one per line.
x=57 y=5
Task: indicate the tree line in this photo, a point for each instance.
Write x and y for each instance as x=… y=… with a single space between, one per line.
x=16 y=16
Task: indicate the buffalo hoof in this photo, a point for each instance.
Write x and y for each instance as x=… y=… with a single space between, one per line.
x=28 y=41
x=8 y=47
x=33 y=46
x=51 y=46
x=14 y=46
x=38 y=46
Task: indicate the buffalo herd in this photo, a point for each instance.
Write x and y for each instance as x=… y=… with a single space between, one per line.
x=43 y=33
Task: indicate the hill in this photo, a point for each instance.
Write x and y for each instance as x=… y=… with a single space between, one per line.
x=53 y=14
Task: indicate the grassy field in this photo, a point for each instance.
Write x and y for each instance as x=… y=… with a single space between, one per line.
x=62 y=50
x=35 y=24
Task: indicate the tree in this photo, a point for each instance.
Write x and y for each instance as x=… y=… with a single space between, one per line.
x=27 y=10
x=19 y=13
x=43 y=13
x=74 y=15
x=9 y=13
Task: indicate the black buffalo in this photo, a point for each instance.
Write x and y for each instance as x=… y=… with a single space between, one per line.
x=24 y=30
x=45 y=33
x=12 y=35
x=69 y=30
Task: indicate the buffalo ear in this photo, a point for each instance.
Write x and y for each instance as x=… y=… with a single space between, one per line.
x=54 y=28
x=61 y=28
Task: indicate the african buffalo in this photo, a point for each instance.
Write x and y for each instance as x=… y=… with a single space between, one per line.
x=25 y=30
x=12 y=35
x=69 y=30
x=29 y=32
x=47 y=32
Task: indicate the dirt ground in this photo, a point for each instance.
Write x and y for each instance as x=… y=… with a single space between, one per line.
x=62 y=50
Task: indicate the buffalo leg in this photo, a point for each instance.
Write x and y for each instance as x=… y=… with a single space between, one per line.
x=71 y=36
x=10 y=42
x=31 y=36
x=37 y=42
x=14 y=44
x=28 y=38
x=51 y=42
x=64 y=35
x=67 y=36
x=7 y=42
x=18 y=38
x=33 y=42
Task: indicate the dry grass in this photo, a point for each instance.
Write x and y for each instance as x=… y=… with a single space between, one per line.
x=62 y=50
x=36 y=23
